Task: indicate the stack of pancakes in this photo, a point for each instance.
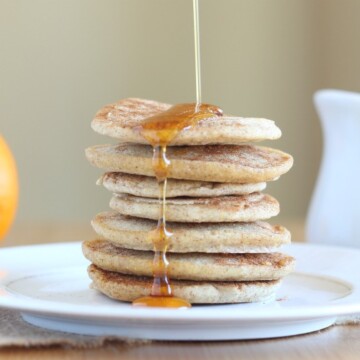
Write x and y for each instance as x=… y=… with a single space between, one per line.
x=221 y=250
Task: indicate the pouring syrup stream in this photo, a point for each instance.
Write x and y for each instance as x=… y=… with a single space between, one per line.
x=197 y=51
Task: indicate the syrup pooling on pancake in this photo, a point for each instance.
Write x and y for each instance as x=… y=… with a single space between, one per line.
x=159 y=131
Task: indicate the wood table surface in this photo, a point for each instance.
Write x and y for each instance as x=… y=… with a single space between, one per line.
x=336 y=342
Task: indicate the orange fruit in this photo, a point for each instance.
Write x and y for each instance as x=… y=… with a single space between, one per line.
x=9 y=188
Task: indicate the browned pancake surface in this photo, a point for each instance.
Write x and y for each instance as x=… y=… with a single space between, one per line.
x=132 y=233
x=146 y=186
x=128 y=288
x=215 y=163
x=121 y=120
x=190 y=266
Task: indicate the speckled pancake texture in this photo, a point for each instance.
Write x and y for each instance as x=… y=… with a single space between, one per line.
x=121 y=119
x=190 y=266
x=215 y=163
x=252 y=207
x=251 y=237
x=146 y=186
x=128 y=288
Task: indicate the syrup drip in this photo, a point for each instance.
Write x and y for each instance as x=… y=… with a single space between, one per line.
x=159 y=131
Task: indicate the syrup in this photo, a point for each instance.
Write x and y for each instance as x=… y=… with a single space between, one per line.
x=159 y=131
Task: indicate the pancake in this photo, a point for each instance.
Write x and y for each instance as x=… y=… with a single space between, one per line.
x=190 y=266
x=120 y=120
x=128 y=288
x=132 y=233
x=252 y=207
x=146 y=186
x=215 y=163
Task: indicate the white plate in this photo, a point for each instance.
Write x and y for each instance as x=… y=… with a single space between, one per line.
x=49 y=285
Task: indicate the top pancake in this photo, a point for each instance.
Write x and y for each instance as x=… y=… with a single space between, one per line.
x=120 y=119
x=216 y=163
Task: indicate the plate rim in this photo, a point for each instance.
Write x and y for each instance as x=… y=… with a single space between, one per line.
x=42 y=307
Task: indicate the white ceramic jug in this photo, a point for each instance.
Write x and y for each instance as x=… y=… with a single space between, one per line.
x=334 y=213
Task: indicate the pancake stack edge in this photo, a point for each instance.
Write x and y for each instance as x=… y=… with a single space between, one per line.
x=222 y=250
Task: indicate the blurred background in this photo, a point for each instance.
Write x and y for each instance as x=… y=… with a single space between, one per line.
x=61 y=60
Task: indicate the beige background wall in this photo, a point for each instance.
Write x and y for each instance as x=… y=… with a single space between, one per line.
x=61 y=60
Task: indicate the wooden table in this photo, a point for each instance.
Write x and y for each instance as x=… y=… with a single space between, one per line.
x=337 y=342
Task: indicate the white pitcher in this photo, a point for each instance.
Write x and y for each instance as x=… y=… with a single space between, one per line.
x=334 y=213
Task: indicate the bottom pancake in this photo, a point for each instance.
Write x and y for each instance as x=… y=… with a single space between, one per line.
x=128 y=288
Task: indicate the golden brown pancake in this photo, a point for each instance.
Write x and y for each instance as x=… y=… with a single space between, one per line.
x=146 y=186
x=190 y=266
x=253 y=237
x=252 y=207
x=215 y=163
x=128 y=288
x=120 y=120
